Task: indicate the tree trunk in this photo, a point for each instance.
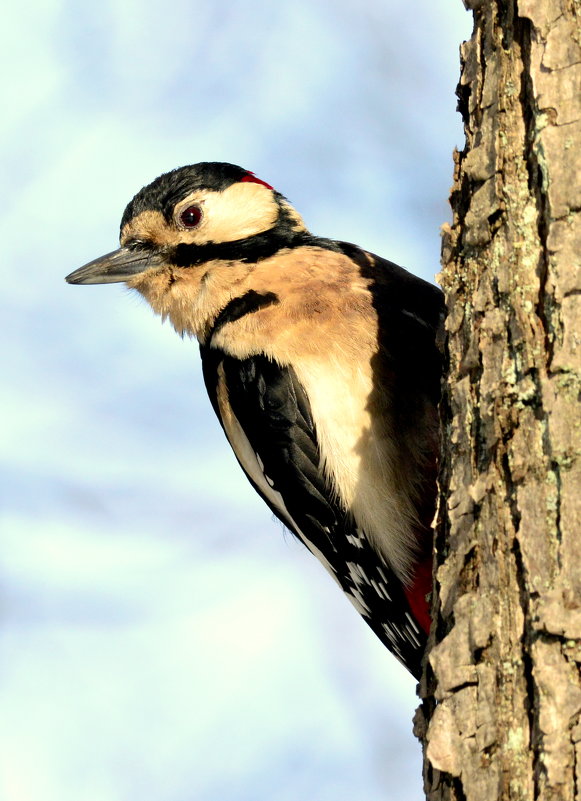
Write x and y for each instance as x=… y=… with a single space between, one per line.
x=502 y=692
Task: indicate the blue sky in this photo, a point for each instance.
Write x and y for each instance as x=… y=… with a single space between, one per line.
x=162 y=637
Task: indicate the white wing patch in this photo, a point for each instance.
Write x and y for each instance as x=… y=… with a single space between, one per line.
x=253 y=466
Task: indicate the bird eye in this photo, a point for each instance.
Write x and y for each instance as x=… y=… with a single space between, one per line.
x=191 y=216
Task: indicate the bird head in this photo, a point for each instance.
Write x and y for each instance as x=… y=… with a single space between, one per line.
x=206 y=220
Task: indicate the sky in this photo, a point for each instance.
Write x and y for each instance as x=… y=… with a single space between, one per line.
x=161 y=636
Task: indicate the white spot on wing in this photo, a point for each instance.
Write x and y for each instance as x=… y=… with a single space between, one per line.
x=357 y=600
x=411 y=636
x=412 y=622
x=391 y=634
x=382 y=574
x=357 y=573
x=380 y=590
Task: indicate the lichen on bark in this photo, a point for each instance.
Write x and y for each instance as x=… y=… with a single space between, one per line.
x=502 y=691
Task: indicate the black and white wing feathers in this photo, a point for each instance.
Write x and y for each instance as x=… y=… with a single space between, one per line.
x=267 y=418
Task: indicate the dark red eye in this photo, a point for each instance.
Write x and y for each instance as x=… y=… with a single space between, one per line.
x=191 y=216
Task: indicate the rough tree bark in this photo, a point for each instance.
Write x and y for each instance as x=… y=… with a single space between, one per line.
x=501 y=715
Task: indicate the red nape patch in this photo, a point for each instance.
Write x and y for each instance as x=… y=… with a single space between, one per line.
x=250 y=178
x=417 y=591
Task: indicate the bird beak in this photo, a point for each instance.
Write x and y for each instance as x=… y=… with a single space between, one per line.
x=119 y=265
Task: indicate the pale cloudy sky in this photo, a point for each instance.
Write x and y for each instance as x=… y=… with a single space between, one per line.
x=162 y=638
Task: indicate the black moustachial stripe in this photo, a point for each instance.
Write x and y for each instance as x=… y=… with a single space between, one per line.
x=248 y=303
x=250 y=250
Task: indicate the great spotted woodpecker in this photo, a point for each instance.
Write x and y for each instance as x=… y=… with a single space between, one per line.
x=320 y=360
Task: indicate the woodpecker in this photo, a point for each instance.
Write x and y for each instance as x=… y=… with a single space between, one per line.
x=321 y=363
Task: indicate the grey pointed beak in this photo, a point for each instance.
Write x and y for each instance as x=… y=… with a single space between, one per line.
x=119 y=265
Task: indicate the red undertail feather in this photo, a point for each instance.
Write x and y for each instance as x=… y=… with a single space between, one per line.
x=418 y=593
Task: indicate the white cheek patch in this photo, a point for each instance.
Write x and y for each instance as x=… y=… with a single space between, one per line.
x=242 y=210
